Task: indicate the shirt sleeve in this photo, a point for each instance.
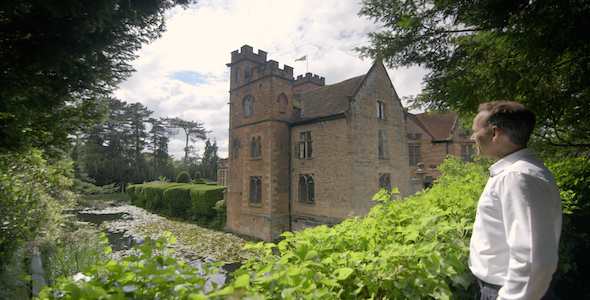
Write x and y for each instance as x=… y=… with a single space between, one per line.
x=527 y=208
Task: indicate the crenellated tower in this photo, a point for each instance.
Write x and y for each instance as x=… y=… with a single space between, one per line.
x=261 y=107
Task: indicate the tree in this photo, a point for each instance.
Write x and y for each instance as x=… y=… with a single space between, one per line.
x=209 y=161
x=158 y=138
x=534 y=52
x=59 y=57
x=192 y=131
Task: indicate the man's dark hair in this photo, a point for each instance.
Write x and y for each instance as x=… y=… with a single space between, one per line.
x=516 y=120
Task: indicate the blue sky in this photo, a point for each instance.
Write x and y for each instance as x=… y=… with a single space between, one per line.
x=184 y=73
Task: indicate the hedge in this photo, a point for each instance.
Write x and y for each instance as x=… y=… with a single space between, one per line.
x=178 y=200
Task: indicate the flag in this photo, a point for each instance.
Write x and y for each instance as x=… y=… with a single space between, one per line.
x=304 y=57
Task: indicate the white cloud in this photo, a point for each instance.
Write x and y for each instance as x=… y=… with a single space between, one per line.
x=200 y=39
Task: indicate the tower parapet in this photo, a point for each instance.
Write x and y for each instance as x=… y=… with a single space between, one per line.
x=246 y=52
x=309 y=82
x=271 y=67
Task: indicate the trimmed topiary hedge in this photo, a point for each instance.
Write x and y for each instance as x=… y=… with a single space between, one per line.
x=178 y=200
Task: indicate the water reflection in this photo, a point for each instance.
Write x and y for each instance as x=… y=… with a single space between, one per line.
x=118 y=240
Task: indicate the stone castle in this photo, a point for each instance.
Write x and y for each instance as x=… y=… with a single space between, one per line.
x=303 y=153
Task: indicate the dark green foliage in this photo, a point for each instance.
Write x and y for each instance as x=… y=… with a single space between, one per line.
x=534 y=52
x=58 y=58
x=32 y=196
x=573 y=178
x=178 y=200
x=203 y=201
x=183 y=177
x=221 y=217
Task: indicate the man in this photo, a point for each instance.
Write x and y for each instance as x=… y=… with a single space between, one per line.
x=518 y=222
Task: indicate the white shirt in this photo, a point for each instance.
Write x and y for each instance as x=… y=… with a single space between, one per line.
x=517 y=227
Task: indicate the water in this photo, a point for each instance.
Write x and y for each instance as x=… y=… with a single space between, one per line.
x=118 y=240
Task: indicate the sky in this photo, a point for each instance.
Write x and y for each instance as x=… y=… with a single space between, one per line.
x=184 y=74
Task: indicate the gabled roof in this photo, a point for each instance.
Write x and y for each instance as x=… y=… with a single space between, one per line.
x=438 y=126
x=328 y=100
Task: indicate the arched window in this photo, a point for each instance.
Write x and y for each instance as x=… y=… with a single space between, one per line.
x=385 y=182
x=282 y=103
x=256 y=189
x=306 y=188
x=236 y=148
x=256 y=147
x=248 y=104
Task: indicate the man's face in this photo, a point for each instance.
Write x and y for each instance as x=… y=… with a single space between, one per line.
x=483 y=136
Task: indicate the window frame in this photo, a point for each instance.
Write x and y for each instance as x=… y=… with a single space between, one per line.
x=306 y=189
x=248 y=104
x=413 y=157
x=305 y=145
x=255 y=190
x=385 y=181
x=382 y=144
x=381 y=108
x=467 y=153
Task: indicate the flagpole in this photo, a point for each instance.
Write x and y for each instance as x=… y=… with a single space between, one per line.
x=306 y=63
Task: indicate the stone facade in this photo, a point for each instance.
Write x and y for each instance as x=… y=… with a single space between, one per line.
x=303 y=153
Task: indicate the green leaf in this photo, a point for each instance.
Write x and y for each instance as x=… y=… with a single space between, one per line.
x=343 y=273
x=242 y=281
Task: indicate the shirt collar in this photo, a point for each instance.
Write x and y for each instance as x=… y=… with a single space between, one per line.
x=508 y=160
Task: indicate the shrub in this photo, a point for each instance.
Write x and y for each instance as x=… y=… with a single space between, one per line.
x=32 y=196
x=183 y=177
x=177 y=199
x=149 y=275
x=203 y=200
x=221 y=217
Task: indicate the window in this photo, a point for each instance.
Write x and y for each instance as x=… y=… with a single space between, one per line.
x=236 y=149
x=306 y=188
x=237 y=75
x=380 y=110
x=467 y=152
x=382 y=144
x=385 y=182
x=256 y=189
x=282 y=103
x=414 y=152
x=305 y=148
x=256 y=147
x=248 y=104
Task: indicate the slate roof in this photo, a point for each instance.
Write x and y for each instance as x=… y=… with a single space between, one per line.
x=438 y=126
x=328 y=100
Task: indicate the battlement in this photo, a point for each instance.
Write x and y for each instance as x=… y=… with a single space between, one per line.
x=271 y=67
x=310 y=78
x=248 y=53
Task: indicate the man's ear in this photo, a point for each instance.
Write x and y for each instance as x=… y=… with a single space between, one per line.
x=496 y=131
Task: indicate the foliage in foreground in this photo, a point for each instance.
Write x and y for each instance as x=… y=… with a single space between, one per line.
x=32 y=195
x=149 y=275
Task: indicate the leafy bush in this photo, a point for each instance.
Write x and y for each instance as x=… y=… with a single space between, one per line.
x=178 y=199
x=203 y=200
x=32 y=196
x=150 y=275
x=183 y=177
x=70 y=253
x=221 y=217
